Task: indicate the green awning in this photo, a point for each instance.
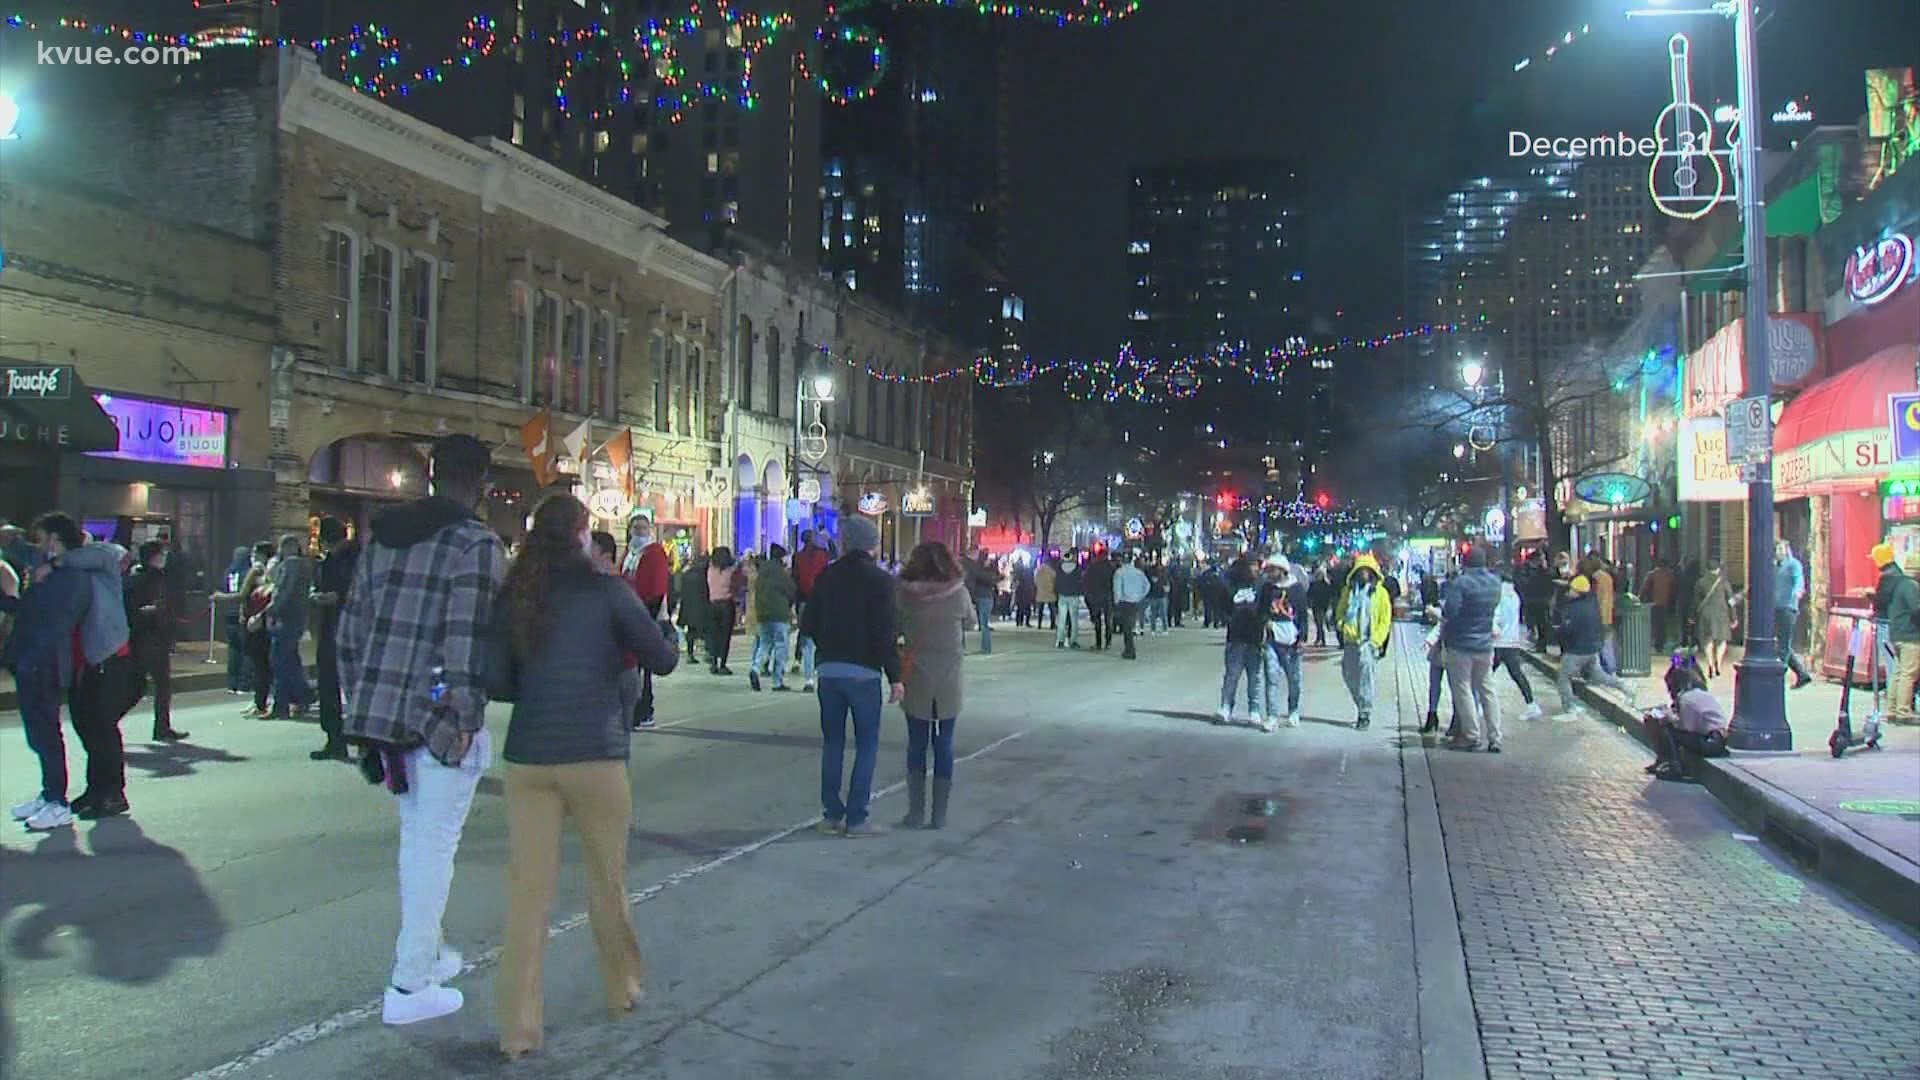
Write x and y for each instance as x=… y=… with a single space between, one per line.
x=1795 y=211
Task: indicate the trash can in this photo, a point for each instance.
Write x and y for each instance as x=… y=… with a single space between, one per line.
x=1635 y=634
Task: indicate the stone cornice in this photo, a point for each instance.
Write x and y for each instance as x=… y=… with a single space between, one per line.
x=499 y=174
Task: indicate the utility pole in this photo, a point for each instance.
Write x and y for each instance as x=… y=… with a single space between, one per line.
x=1760 y=681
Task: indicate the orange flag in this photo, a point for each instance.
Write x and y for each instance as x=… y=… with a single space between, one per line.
x=619 y=450
x=536 y=438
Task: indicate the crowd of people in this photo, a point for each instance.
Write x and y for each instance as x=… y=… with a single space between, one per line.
x=429 y=617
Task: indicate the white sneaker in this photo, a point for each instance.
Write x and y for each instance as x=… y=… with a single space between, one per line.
x=430 y=1003
x=1293 y=718
x=1255 y=720
x=1270 y=725
x=29 y=808
x=1566 y=716
x=1533 y=711
x=51 y=816
x=447 y=966
x=1223 y=717
x=808 y=687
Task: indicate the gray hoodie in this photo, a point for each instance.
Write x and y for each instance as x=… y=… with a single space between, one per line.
x=104 y=630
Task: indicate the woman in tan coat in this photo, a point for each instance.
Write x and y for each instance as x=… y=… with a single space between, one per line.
x=935 y=614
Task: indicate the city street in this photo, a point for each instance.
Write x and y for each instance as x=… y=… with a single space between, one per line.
x=1124 y=891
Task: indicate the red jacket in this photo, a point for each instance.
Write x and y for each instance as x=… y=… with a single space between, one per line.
x=806 y=569
x=649 y=578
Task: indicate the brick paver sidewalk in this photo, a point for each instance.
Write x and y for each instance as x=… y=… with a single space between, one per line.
x=1619 y=926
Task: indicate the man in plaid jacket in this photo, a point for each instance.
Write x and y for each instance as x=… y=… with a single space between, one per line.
x=411 y=666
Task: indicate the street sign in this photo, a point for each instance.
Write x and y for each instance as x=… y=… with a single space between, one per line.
x=1749 y=431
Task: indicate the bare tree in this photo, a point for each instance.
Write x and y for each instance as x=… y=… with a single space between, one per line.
x=1566 y=408
x=1071 y=466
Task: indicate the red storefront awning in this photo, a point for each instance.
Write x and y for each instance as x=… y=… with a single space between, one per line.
x=1836 y=434
x=1855 y=399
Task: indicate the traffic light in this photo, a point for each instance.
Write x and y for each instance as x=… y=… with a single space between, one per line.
x=1322 y=501
x=1226 y=500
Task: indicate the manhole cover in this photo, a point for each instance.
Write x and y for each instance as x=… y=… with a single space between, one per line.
x=1906 y=808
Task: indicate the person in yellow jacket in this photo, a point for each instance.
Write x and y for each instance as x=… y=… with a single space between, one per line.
x=1365 y=614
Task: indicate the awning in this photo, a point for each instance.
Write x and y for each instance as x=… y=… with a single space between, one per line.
x=1796 y=211
x=1836 y=435
x=49 y=405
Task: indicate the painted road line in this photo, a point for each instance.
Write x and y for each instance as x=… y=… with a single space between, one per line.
x=348 y=1019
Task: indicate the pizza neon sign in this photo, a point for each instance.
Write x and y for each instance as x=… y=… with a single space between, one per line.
x=1875 y=271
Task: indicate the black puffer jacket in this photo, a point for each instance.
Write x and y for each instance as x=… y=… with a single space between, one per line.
x=851 y=616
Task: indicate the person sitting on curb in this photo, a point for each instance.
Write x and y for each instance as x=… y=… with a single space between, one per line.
x=1581 y=637
x=1694 y=721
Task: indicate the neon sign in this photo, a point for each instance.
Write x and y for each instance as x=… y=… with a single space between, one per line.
x=166 y=433
x=1876 y=271
x=873 y=504
x=1793 y=113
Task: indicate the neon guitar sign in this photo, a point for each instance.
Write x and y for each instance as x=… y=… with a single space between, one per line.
x=1685 y=133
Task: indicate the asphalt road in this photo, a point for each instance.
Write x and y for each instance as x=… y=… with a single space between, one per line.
x=1123 y=891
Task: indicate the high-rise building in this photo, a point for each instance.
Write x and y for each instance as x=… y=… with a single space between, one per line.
x=1216 y=260
x=705 y=123
x=1536 y=262
x=911 y=178
x=1216 y=257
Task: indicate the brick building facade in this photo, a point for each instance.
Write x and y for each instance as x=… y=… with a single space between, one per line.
x=429 y=285
x=171 y=325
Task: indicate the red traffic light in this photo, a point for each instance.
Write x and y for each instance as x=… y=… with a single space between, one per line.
x=1322 y=501
x=1226 y=500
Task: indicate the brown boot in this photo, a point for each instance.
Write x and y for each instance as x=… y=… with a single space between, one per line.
x=942 y=790
x=916 y=801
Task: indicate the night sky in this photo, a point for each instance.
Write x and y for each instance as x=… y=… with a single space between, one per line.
x=1379 y=100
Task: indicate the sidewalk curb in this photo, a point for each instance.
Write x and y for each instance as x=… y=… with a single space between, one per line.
x=215 y=679
x=1450 y=1043
x=1874 y=876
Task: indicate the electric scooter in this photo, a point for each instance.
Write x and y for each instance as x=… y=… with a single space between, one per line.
x=1843 y=738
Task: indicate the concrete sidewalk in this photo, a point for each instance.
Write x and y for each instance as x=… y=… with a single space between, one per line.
x=191 y=672
x=1854 y=821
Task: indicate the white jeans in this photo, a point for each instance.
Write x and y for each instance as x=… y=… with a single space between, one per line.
x=433 y=811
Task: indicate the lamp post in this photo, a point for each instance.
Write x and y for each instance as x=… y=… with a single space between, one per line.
x=1760 y=678
x=809 y=436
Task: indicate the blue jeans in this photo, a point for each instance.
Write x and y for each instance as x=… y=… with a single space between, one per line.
x=983 y=611
x=1282 y=661
x=941 y=732
x=1067 y=621
x=290 y=687
x=39 y=696
x=839 y=697
x=771 y=646
x=1156 y=613
x=1243 y=659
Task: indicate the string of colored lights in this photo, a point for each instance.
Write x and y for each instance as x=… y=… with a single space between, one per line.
x=1082 y=13
x=476 y=43
x=866 y=53
x=1131 y=377
x=846 y=61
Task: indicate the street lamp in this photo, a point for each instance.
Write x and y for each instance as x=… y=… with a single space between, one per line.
x=1471 y=373
x=1760 y=678
x=823 y=388
x=1459 y=450
x=9 y=117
